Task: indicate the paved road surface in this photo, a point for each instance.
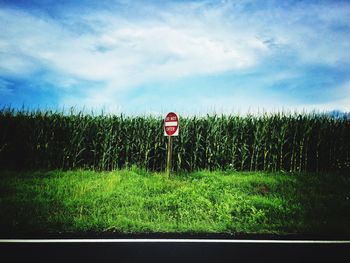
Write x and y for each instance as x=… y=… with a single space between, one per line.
x=175 y=251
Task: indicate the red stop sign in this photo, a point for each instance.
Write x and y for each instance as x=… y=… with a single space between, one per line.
x=171 y=124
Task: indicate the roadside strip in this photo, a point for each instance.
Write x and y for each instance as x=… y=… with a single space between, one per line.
x=173 y=241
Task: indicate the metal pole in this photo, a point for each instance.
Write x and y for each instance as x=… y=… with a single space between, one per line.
x=169 y=155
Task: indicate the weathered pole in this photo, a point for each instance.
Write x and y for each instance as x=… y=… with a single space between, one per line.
x=169 y=155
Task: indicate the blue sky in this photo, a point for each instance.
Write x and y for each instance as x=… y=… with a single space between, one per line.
x=193 y=57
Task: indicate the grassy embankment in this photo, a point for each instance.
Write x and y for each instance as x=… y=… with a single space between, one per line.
x=135 y=201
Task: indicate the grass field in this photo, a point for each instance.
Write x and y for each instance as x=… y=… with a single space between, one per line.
x=136 y=201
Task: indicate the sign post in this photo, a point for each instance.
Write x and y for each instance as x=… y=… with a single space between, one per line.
x=169 y=155
x=171 y=128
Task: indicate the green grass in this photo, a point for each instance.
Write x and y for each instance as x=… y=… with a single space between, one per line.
x=136 y=201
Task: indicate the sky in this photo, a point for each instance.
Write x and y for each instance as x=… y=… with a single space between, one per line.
x=191 y=57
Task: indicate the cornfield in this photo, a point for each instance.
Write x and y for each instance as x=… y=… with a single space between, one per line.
x=269 y=142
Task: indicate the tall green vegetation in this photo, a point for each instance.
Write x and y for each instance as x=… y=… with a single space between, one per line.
x=269 y=142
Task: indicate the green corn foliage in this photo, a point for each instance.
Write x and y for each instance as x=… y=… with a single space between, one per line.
x=270 y=142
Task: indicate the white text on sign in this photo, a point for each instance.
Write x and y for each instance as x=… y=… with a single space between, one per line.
x=170 y=128
x=174 y=118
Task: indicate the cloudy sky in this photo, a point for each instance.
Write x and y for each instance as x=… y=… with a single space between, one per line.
x=193 y=57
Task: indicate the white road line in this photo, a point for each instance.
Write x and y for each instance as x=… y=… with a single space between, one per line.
x=173 y=241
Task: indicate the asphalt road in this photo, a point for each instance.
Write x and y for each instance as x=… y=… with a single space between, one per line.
x=114 y=247
x=174 y=251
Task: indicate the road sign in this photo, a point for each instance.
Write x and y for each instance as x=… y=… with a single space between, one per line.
x=171 y=124
x=171 y=128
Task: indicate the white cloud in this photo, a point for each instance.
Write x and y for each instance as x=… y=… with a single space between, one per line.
x=124 y=53
x=317 y=33
x=342 y=97
x=131 y=50
x=5 y=87
x=177 y=41
x=340 y=101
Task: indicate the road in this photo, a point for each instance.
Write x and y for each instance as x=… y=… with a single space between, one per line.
x=175 y=250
